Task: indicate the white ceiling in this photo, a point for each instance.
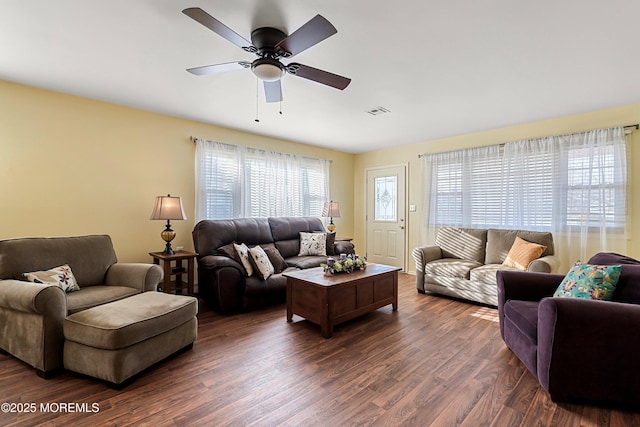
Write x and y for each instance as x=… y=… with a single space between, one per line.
x=442 y=67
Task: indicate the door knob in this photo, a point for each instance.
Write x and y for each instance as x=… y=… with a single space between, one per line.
x=402 y=227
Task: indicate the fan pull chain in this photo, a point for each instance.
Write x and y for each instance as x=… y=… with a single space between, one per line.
x=281 y=107
x=257 y=120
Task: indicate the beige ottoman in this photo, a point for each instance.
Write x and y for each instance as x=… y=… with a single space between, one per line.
x=117 y=340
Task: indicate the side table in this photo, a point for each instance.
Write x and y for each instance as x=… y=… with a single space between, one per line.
x=177 y=270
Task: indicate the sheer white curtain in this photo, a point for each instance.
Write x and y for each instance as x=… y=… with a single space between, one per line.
x=234 y=182
x=573 y=185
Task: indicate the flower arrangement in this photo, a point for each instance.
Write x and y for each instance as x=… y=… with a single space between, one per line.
x=344 y=264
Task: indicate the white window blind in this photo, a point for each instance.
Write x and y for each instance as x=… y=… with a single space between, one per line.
x=235 y=182
x=559 y=183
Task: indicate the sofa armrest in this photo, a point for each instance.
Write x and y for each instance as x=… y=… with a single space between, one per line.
x=212 y=262
x=143 y=276
x=422 y=256
x=28 y=297
x=343 y=247
x=221 y=283
x=31 y=315
x=545 y=264
x=588 y=350
x=525 y=285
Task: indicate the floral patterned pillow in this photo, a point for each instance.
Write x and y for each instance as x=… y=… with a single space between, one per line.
x=589 y=281
x=243 y=253
x=261 y=261
x=313 y=244
x=61 y=276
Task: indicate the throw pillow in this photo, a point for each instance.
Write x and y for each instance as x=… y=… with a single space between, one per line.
x=279 y=264
x=313 y=244
x=262 y=263
x=243 y=253
x=229 y=250
x=522 y=253
x=61 y=276
x=588 y=281
x=331 y=241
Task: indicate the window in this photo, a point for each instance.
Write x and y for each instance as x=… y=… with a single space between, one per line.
x=553 y=183
x=236 y=182
x=385 y=196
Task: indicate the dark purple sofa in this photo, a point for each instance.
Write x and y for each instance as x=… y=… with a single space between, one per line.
x=579 y=350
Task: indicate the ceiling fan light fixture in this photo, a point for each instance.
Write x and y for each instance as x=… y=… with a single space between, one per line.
x=267 y=69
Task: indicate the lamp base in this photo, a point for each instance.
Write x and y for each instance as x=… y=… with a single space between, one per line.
x=168 y=250
x=331 y=227
x=168 y=235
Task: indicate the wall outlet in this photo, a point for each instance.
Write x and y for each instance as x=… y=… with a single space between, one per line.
x=179 y=248
x=412 y=208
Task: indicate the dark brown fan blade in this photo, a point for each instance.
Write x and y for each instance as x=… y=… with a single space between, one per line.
x=311 y=33
x=273 y=91
x=320 y=76
x=216 y=26
x=219 y=68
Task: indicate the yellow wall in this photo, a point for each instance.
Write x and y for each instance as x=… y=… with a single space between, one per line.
x=71 y=166
x=620 y=116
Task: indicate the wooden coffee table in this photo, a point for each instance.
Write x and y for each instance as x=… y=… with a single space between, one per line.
x=330 y=300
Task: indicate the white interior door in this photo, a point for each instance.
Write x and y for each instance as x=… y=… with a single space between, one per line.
x=386 y=228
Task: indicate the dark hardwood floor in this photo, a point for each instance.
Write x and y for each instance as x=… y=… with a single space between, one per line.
x=436 y=361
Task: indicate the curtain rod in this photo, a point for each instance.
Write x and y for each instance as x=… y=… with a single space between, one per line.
x=636 y=126
x=194 y=140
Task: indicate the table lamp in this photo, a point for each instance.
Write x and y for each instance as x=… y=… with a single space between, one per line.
x=331 y=210
x=168 y=207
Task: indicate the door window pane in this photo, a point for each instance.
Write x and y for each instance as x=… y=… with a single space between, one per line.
x=386 y=198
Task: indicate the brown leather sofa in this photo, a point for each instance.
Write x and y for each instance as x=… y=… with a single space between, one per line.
x=32 y=314
x=222 y=281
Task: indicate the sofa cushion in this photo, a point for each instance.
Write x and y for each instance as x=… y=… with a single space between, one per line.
x=93 y=296
x=588 y=281
x=522 y=253
x=487 y=273
x=463 y=243
x=451 y=267
x=612 y=258
x=286 y=232
x=19 y=256
x=130 y=320
x=303 y=262
x=255 y=286
x=313 y=244
x=210 y=235
x=60 y=276
x=261 y=262
x=499 y=242
x=628 y=286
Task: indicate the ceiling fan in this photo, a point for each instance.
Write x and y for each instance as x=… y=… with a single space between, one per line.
x=271 y=44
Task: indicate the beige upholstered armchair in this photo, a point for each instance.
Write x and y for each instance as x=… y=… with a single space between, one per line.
x=32 y=314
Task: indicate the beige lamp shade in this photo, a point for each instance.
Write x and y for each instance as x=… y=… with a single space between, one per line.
x=167 y=208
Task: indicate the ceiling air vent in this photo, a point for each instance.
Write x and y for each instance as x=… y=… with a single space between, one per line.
x=377 y=111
